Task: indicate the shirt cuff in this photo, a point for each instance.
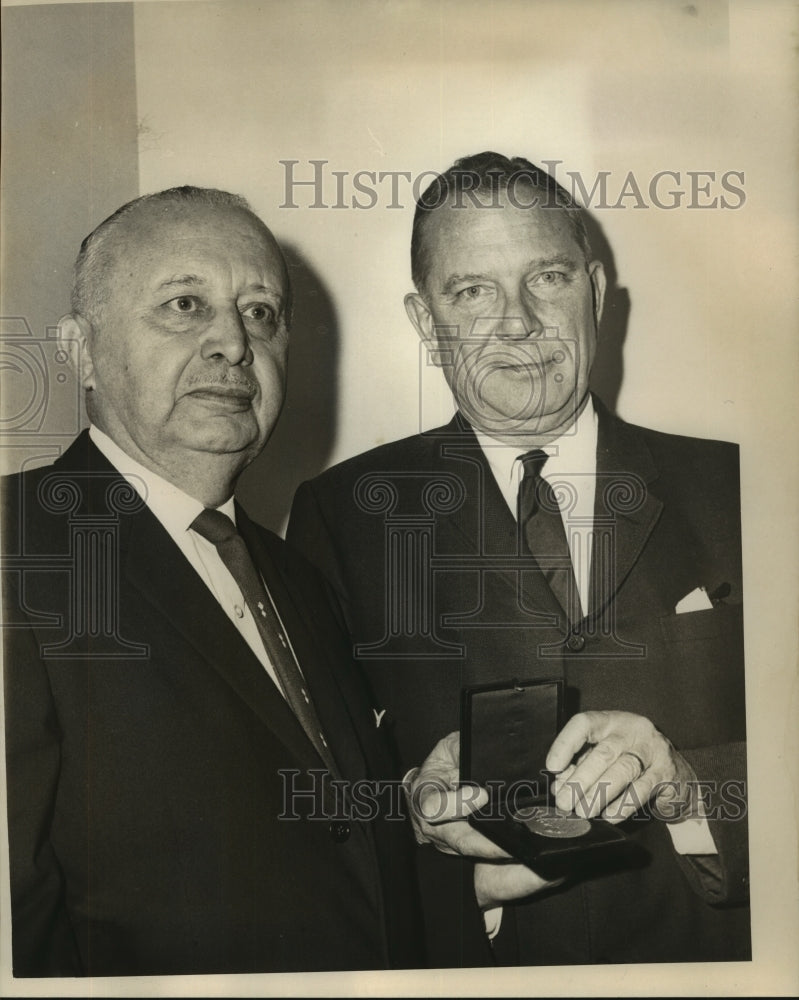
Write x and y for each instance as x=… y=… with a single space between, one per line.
x=692 y=836
x=493 y=920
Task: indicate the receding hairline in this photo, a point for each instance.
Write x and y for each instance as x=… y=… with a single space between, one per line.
x=100 y=250
x=150 y=217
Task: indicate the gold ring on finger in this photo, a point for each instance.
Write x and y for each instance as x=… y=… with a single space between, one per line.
x=641 y=764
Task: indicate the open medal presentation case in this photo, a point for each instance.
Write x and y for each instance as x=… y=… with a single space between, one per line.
x=506 y=732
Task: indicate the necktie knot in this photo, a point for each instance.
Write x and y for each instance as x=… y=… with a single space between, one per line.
x=533 y=462
x=214 y=525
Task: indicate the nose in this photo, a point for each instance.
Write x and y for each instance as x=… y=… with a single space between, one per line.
x=519 y=320
x=226 y=337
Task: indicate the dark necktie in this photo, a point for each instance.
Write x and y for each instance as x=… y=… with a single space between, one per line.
x=541 y=527
x=221 y=531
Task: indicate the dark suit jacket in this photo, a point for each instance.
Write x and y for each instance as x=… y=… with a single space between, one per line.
x=425 y=556
x=144 y=747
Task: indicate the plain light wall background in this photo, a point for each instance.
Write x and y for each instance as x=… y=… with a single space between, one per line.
x=69 y=158
x=706 y=302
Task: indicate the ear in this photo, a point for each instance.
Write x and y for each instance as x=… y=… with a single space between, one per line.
x=419 y=314
x=74 y=338
x=598 y=282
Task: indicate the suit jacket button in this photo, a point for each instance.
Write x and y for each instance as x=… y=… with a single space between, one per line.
x=576 y=642
x=339 y=832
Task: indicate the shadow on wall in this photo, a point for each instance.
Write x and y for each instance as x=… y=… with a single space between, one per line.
x=303 y=439
x=607 y=373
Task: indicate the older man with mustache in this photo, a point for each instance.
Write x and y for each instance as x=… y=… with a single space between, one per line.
x=177 y=682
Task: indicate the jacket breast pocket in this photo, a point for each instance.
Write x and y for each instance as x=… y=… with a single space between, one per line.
x=724 y=619
x=703 y=662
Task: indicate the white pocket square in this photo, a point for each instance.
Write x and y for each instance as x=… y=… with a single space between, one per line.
x=697 y=600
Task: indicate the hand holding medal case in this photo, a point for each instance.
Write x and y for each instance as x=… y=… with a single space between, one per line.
x=506 y=733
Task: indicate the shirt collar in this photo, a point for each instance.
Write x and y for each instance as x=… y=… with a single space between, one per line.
x=174 y=509
x=574 y=452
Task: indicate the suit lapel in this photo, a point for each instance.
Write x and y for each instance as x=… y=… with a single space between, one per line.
x=484 y=526
x=625 y=508
x=177 y=594
x=156 y=569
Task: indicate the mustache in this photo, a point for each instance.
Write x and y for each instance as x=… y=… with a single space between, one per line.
x=223 y=380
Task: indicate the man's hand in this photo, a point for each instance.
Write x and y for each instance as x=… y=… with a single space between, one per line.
x=497 y=883
x=624 y=763
x=439 y=805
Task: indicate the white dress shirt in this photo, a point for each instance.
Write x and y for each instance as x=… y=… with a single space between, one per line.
x=176 y=511
x=573 y=461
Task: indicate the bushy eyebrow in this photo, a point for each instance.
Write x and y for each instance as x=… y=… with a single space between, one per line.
x=182 y=279
x=195 y=280
x=257 y=289
x=458 y=279
x=561 y=260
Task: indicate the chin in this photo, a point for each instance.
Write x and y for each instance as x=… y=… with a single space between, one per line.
x=502 y=418
x=516 y=413
x=219 y=436
x=221 y=444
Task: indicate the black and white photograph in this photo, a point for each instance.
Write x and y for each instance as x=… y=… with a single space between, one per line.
x=398 y=502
